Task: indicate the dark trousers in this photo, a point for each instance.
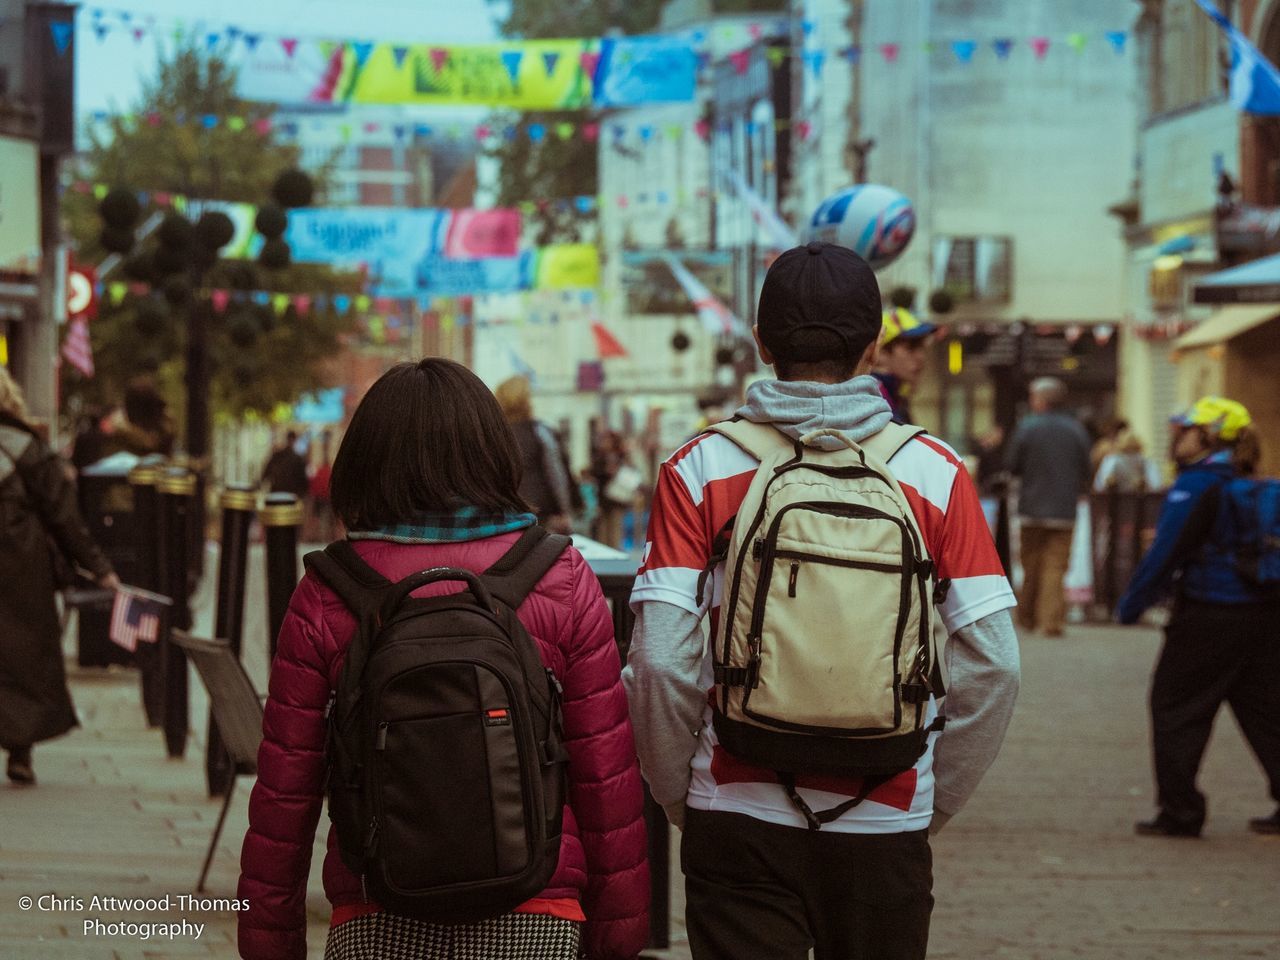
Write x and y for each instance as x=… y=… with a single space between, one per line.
x=756 y=889
x=1213 y=653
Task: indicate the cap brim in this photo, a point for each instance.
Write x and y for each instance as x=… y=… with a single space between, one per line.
x=917 y=333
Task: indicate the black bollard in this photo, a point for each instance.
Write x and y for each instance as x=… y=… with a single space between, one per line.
x=281 y=517
x=238 y=506
x=146 y=506
x=176 y=489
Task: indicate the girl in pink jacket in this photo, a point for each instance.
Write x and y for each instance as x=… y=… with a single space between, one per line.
x=427 y=476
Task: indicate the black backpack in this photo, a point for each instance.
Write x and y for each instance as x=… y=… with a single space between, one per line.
x=447 y=769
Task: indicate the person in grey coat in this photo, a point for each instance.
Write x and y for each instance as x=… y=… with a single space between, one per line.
x=1049 y=453
x=38 y=515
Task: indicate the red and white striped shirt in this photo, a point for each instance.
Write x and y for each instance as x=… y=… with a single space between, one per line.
x=699 y=488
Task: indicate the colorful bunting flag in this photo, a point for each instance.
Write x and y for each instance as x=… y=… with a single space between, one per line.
x=607 y=345
x=439 y=57
x=549 y=61
x=399 y=53
x=964 y=50
x=62 y=33
x=1040 y=46
x=589 y=61
x=1117 y=39
x=1077 y=41
x=511 y=59
x=77 y=349
x=890 y=52
x=1003 y=46
x=290 y=45
x=741 y=59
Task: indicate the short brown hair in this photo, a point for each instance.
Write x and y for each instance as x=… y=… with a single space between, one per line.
x=428 y=436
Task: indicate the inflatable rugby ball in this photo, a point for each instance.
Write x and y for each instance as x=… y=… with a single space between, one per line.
x=873 y=221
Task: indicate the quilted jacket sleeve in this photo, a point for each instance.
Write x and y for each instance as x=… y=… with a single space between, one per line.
x=604 y=779
x=286 y=800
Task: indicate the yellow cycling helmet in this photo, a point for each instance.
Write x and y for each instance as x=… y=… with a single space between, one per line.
x=902 y=323
x=1219 y=416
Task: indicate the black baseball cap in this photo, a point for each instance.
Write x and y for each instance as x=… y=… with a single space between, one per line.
x=817 y=299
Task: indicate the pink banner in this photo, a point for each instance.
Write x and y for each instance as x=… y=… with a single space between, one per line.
x=483 y=233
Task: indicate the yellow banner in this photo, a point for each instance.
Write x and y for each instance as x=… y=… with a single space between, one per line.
x=535 y=75
x=568 y=266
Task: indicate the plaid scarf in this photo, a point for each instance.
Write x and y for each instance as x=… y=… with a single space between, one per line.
x=465 y=523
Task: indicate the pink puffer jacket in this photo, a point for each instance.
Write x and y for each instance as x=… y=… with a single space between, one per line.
x=602 y=855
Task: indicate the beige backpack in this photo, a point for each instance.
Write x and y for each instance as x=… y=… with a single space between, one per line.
x=824 y=656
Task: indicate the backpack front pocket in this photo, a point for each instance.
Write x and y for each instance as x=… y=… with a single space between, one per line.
x=807 y=672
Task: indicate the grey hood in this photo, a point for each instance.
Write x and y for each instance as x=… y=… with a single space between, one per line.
x=797 y=407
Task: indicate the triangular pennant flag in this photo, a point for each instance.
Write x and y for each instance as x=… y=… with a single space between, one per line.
x=100 y=190
x=564 y=130
x=816 y=61
x=209 y=120
x=235 y=123
x=290 y=46
x=1040 y=46
x=1003 y=46
x=301 y=303
x=211 y=41
x=674 y=131
x=261 y=298
x=101 y=29
x=279 y=303
x=964 y=50
x=400 y=54
x=251 y=41
x=439 y=57
x=219 y=299
x=775 y=55
x=803 y=128
x=362 y=49
x=890 y=52
x=589 y=61
x=1077 y=41
x=511 y=59
x=807 y=26
x=755 y=30
x=646 y=133
x=1117 y=39
x=591 y=132
x=549 y=61
x=703 y=129
x=852 y=53
x=262 y=125
x=483 y=131
x=116 y=292
x=341 y=302
x=741 y=59
x=61 y=33
x=138 y=34
x=537 y=132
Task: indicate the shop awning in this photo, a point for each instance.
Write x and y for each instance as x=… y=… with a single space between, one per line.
x=1256 y=282
x=1228 y=322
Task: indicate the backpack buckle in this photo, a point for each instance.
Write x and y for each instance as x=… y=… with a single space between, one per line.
x=925 y=568
x=941 y=590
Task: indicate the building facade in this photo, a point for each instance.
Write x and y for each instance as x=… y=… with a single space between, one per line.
x=1011 y=127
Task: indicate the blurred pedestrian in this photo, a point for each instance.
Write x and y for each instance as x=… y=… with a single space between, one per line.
x=286 y=469
x=618 y=481
x=1124 y=468
x=1049 y=453
x=142 y=425
x=1220 y=641
x=41 y=522
x=903 y=354
x=427 y=476
x=318 y=496
x=546 y=484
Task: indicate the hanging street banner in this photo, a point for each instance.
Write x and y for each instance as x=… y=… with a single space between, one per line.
x=441 y=277
x=522 y=75
x=567 y=266
x=639 y=70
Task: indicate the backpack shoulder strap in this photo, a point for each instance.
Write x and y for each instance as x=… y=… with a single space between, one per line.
x=886 y=444
x=515 y=575
x=758 y=439
x=358 y=584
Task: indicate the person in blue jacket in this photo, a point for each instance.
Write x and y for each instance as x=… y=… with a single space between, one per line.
x=1221 y=641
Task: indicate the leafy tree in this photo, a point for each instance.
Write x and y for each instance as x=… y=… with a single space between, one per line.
x=258 y=359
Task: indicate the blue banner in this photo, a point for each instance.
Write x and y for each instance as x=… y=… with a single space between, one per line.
x=387 y=243
x=636 y=70
x=443 y=277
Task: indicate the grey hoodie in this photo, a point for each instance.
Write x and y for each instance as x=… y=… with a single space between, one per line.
x=663 y=677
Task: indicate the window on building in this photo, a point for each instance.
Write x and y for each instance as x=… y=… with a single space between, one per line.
x=1185 y=56
x=974 y=269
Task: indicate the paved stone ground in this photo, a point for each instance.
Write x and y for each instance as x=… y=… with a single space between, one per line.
x=1043 y=864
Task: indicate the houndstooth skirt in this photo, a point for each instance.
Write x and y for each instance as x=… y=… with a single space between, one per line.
x=512 y=936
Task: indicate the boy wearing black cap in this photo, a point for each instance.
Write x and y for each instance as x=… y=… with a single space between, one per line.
x=758 y=883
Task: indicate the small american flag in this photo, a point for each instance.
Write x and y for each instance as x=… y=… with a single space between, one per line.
x=137 y=615
x=77 y=349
